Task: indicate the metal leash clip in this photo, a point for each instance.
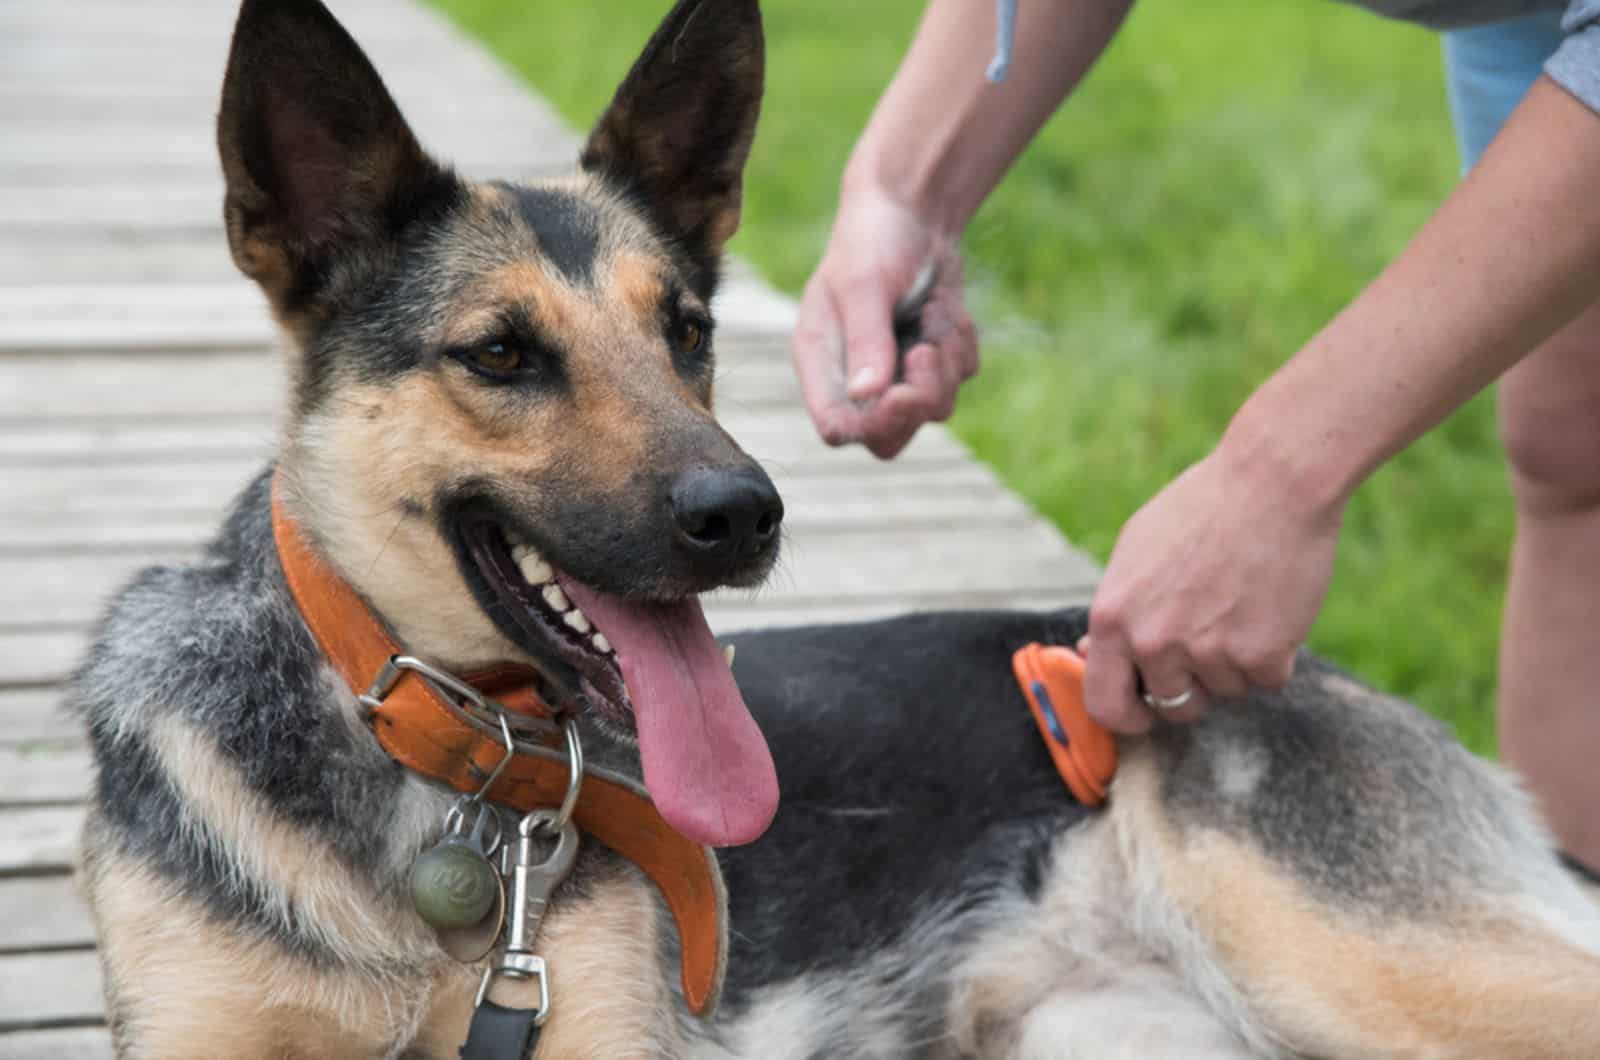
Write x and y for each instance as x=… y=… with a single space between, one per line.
x=532 y=881
x=531 y=870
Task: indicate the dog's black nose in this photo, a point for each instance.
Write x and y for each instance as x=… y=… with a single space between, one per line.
x=727 y=513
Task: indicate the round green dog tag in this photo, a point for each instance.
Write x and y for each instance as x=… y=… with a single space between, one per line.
x=452 y=885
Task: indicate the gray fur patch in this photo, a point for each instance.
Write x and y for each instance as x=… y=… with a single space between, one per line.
x=1362 y=797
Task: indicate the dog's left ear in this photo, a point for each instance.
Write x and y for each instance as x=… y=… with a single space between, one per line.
x=678 y=133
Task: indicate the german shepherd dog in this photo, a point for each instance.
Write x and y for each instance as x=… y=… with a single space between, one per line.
x=1320 y=872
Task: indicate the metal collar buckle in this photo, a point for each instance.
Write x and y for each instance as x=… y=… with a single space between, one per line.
x=521 y=734
x=467 y=703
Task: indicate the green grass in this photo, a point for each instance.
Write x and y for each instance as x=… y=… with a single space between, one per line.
x=1225 y=180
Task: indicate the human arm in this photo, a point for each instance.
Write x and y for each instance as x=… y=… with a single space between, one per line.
x=939 y=140
x=1218 y=579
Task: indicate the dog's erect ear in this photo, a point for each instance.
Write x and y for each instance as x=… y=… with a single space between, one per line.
x=678 y=132
x=317 y=157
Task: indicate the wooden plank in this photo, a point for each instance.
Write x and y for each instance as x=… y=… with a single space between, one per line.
x=113 y=256
x=43 y=912
x=69 y=1043
x=35 y=715
x=211 y=387
x=39 y=840
x=104 y=317
x=66 y=590
x=42 y=774
x=417 y=66
x=41 y=989
x=32 y=171
x=38 y=656
x=419 y=49
x=195 y=26
x=89 y=491
x=154 y=211
x=91 y=100
x=475 y=148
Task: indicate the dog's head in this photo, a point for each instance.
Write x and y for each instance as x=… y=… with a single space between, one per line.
x=501 y=428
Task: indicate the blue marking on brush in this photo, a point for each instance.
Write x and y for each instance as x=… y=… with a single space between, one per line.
x=1052 y=722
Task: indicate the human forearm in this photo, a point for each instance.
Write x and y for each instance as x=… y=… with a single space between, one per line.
x=942 y=136
x=1511 y=256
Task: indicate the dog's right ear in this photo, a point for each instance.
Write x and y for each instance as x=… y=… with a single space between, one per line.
x=678 y=131
x=317 y=158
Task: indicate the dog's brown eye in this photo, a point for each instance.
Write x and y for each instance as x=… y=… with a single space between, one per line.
x=497 y=358
x=690 y=337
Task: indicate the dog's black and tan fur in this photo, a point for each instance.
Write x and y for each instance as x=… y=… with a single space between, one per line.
x=1320 y=873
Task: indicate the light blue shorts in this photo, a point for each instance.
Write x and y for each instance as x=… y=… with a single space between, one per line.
x=1488 y=69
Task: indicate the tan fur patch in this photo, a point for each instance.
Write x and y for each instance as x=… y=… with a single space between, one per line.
x=344 y=476
x=182 y=986
x=1487 y=983
x=1074 y=975
x=635 y=281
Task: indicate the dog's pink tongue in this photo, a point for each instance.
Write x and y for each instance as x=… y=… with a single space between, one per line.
x=706 y=763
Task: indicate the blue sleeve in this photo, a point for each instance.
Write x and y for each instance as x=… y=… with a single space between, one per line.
x=1576 y=64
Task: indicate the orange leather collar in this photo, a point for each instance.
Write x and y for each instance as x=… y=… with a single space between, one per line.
x=1084 y=751
x=413 y=724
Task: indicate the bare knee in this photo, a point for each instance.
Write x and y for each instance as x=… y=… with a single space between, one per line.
x=1550 y=422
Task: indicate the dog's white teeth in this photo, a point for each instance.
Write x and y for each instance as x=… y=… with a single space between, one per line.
x=556 y=598
x=727 y=653
x=600 y=643
x=577 y=620
x=535 y=570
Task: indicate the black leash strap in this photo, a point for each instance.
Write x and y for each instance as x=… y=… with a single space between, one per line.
x=500 y=1033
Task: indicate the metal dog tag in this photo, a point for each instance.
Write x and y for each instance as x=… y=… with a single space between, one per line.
x=456 y=888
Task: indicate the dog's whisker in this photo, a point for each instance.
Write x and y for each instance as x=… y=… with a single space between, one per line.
x=386 y=542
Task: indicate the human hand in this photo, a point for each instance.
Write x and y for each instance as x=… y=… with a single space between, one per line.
x=844 y=344
x=1211 y=588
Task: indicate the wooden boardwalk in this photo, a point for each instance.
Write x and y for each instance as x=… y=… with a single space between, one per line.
x=139 y=388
